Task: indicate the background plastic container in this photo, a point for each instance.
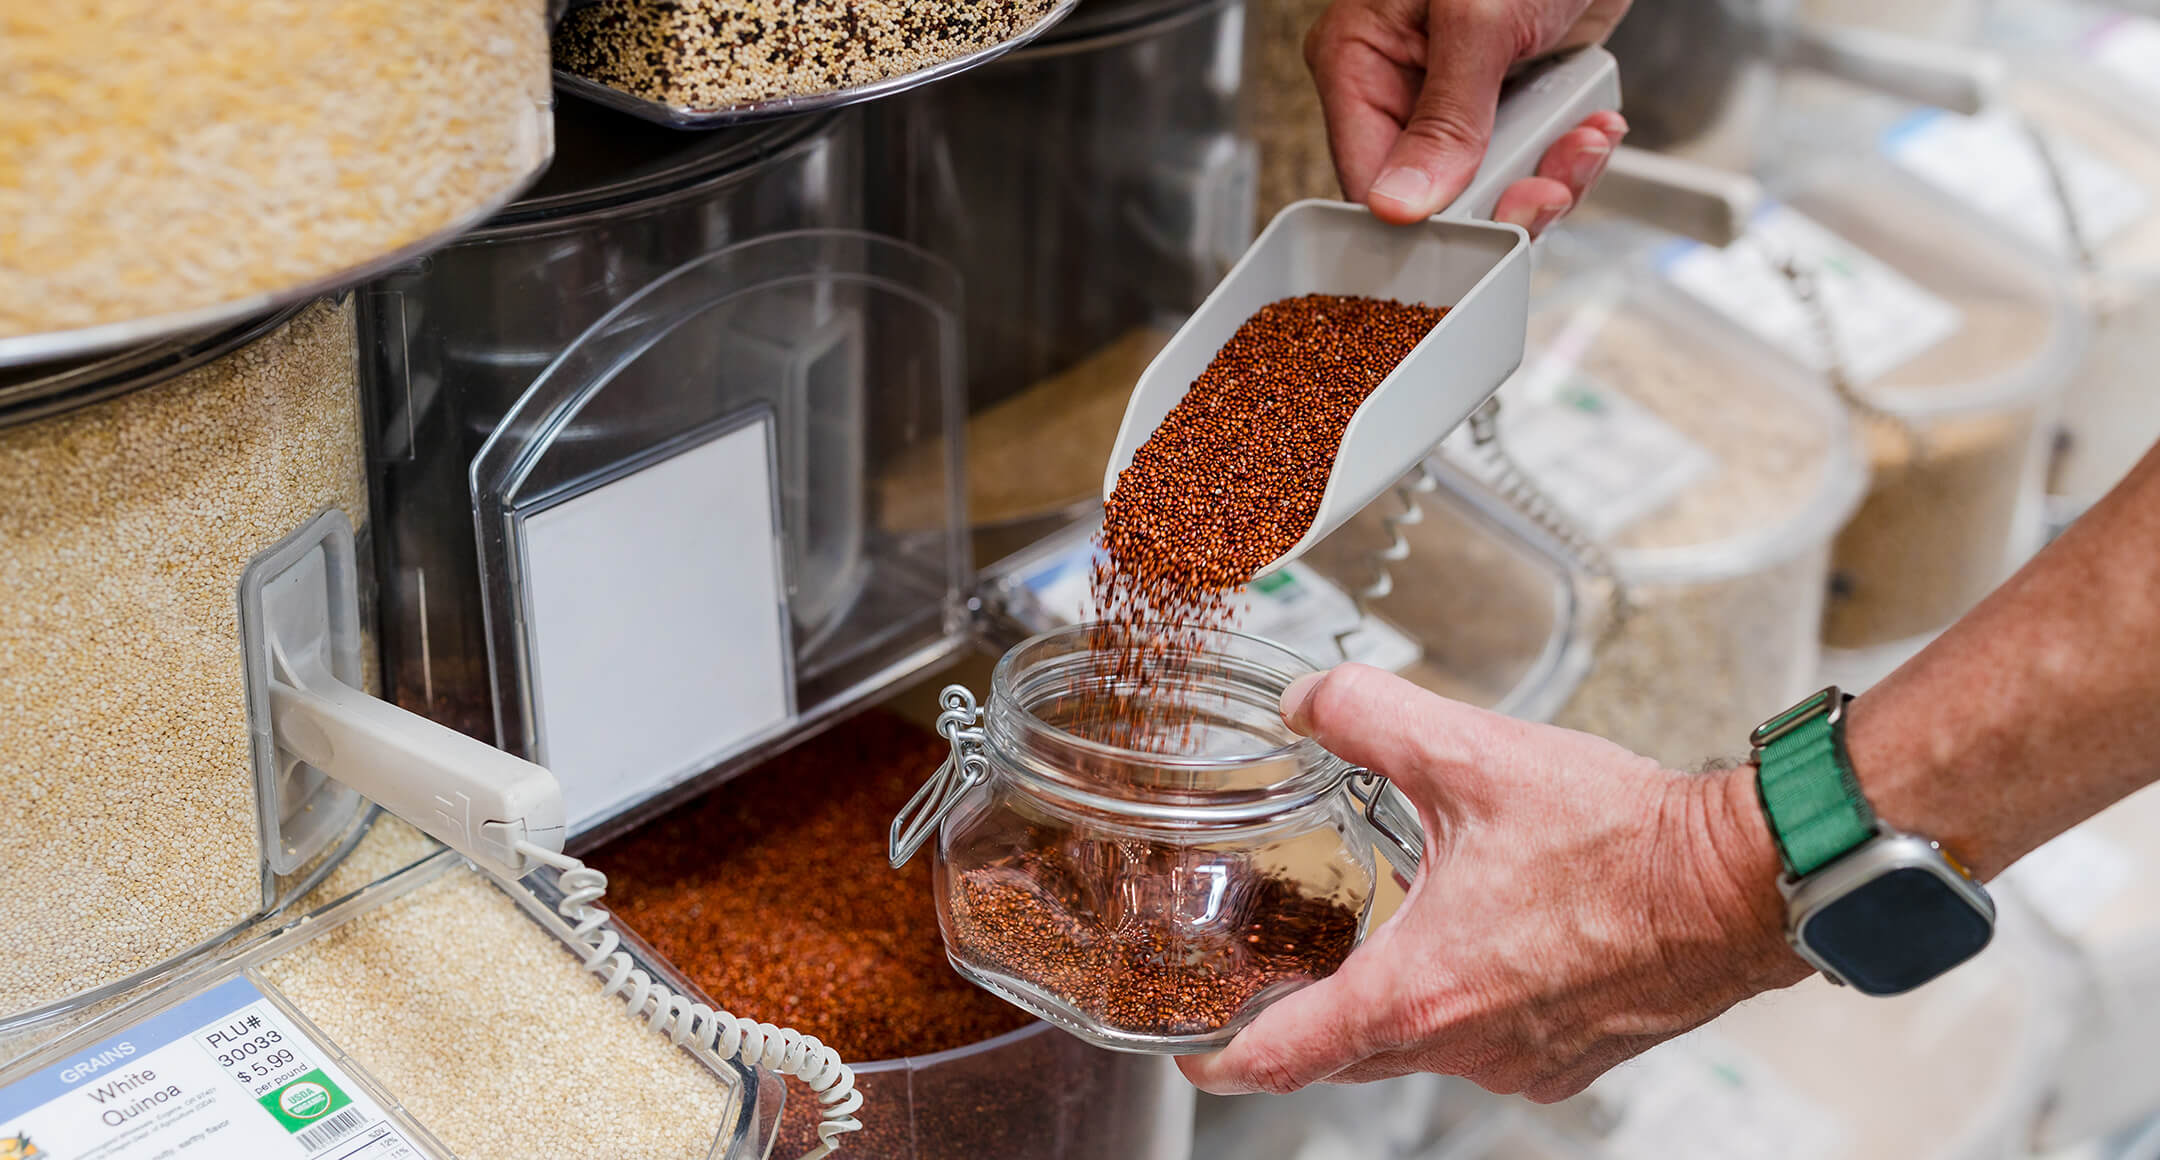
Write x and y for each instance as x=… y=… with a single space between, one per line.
x=144 y=807
x=386 y=1069
x=1955 y=344
x=1125 y=135
x=190 y=176
x=1711 y=481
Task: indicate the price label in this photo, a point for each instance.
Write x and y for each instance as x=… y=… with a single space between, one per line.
x=1879 y=319
x=1992 y=163
x=1607 y=460
x=223 y=1074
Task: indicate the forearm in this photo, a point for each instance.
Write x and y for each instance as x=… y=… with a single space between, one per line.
x=2041 y=707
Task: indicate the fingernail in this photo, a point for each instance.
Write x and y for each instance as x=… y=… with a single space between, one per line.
x=1405 y=186
x=1619 y=130
x=1589 y=164
x=1293 y=702
x=1533 y=218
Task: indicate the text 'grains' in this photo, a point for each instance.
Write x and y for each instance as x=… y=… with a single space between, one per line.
x=159 y=157
x=464 y=1008
x=1078 y=921
x=716 y=54
x=127 y=791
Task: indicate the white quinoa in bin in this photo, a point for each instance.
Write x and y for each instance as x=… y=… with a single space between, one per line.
x=462 y=1006
x=163 y=157
x=127 y=788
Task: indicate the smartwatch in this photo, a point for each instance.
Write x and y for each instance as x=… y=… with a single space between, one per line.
x=1869 y=906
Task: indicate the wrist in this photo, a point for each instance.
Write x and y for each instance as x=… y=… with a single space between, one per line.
x=1738 y=869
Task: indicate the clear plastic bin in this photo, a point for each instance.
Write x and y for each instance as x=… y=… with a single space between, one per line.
x=1124 y=137
x=1713 y=482
x=222 y=160
x=1032 y=1094
x=381 y=1018
x=145 y=808
x=704 y=64
x=1955 y=344
x=738 y=339
x=1989 y=170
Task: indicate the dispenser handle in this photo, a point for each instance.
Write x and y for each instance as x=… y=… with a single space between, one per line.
x=1537 y=106
x=471 y=796
x=299 y=611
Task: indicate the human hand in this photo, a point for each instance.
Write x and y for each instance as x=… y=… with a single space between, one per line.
x=1409 y=88
x=1577 y=904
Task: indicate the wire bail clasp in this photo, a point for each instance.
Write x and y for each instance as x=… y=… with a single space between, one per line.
x=1385 y=815
x=963 y=770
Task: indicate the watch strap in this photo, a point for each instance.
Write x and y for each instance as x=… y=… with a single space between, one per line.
x=1806 y=782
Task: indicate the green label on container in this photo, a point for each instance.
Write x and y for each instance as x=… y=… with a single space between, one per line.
x=305 y=1101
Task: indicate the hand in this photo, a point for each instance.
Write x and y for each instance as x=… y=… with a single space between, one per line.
x=1577 y=904
x=1409 y=88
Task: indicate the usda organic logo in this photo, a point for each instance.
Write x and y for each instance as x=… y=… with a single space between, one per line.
x=304 y=1100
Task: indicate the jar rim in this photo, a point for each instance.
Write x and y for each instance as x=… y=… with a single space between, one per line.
x=1196 y=785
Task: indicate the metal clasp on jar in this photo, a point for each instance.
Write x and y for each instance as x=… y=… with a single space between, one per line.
x=1385 y=814
x=967 y=767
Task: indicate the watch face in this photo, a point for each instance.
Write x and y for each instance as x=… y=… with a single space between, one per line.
x=1894 y=932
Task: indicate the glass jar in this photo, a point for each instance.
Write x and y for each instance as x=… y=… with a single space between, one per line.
x=1148 y=865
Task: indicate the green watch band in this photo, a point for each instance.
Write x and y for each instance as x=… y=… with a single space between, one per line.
x=1807 y=785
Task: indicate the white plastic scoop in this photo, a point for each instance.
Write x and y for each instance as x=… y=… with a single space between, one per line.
x=1479 y=269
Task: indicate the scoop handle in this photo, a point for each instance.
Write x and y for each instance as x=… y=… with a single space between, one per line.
x=1537 y=106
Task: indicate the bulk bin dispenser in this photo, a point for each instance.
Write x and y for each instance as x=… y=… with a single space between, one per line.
x=715 y=349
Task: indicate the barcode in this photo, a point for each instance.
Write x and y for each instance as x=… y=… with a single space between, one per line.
x=330 y=1131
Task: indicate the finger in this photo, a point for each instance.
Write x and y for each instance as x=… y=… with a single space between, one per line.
x=1594 y=25
x=1534 y=203
x=1365 y=94
x=1467 y=56
x=1302 y=1039
x=1378 y=720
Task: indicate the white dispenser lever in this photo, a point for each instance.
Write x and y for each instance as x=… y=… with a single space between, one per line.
x=299 y=609
x=1479 y=270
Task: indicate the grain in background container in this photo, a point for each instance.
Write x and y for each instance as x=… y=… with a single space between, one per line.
x=1709 y=482
x=167 y=168
x=415 y=1013
x=142 y=799
x=1954 y=346
x=1125 y=133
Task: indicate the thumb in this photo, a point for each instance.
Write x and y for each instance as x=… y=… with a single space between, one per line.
x=1420 y=741
x=1469 y=50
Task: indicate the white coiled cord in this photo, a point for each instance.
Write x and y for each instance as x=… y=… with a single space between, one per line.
x=1420 y=482
x=777 y=1049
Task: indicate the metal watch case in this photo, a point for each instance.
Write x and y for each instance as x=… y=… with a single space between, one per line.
x=1889 y=857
